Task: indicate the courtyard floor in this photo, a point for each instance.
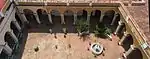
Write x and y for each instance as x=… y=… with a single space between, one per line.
x=71 y=47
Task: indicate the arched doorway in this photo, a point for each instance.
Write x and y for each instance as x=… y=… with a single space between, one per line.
x=69 y=20
x=82 y=14
x=108 y=17
x=94 y=19
x=56 y=19
x=44 y=19
x=121 y=30
x=14 y=28
x=127 y=42
x=135 y=54
x=10 y=41
x=43 y=16
x=31 y=18
x=18 y=20
x=115 y=21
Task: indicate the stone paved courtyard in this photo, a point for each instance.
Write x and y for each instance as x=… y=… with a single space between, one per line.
x=71 y=47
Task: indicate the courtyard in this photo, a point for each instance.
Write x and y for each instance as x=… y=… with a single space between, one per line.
x=71 y=47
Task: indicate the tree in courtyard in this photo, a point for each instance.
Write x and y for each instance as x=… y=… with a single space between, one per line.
x=82 y=26
x=102 y=31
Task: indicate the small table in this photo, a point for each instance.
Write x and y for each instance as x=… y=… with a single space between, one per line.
x=96 y=48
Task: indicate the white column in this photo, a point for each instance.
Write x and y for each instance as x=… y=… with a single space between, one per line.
x=17 y=25
x=93 y=13
x=132 y=47
x=13 y=36
x=75 y=18
x=123 y=38
x=37 y=18
x=119 y=27
x=88 y=17
x=114 y=19
x=101 y=17
x=50 y=18
x=62 y=19
x=22 y=16
x=7 y=49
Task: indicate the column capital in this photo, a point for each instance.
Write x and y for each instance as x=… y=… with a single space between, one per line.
x=132 y=47
x=68 y=3
x=34 y=13
x=120 y=22
x=90 y=4
x=89 y=14
x=1 y=14
x=48 y=13
x=10 y=31
x=117 y=14
x=125 y=33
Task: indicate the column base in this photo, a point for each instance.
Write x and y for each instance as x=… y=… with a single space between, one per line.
x=119 y=43
x=124 y=56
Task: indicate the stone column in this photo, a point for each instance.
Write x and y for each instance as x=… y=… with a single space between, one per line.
x=88 y=17
x=93 y=13
x=114 y=19
x=123 y=38
x=75 y=18
x=62 y=19
x=132 y=47
x=7 y=49
x=119 y=27
x=101 y=17
x=13 y=36
x=37 y=18
x=50 y=18
x=22 y=16
x=17 y=25
x=1 y=14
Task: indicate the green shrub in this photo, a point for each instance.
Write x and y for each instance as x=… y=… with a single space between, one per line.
x=82 y=25
x=102 y=31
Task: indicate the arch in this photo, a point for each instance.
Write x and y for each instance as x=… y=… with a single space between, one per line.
x=94 y=19
x=43 y=16
x=3 y=55
x=108 y=17
x=69 y=20
x=14 y=28
x=82 y=14
x=55 y=13
x=135 y=54
x=56 y=19
x=30 y=17
x=68 y=13
x=27 y=11
x=115 y=23
x=96 y=13
x=18 y=19
x=121 y=31
x=127 y=42
x=9 y=40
